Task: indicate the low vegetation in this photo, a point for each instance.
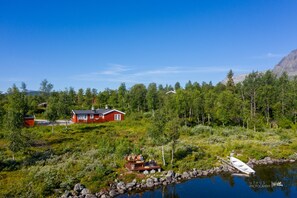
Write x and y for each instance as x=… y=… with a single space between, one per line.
x=93 y=154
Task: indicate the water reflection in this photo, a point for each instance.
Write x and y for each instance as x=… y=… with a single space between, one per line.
x=269 y=181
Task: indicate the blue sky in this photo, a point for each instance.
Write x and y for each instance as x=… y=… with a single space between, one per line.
x=99 y=44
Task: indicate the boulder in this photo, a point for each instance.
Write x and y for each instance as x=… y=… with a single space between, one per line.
x=150 y=183
x=145 y=172
x=78 y=187
x=121 y=185
x=85 y=191
x=130 y=185
x=90 y=196
x=170 y=173
x=153 y=171
x=185 y=175
x=66 y=194
x=113 y=193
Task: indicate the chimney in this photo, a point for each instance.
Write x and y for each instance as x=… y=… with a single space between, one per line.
x=106 y=106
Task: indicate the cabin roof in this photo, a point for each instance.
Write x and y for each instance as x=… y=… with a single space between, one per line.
x=96 y=112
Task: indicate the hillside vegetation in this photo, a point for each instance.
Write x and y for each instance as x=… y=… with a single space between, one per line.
x=93 y=154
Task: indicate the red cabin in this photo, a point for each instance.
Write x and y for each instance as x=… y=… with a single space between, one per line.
x=97 y=116
x=29 y=121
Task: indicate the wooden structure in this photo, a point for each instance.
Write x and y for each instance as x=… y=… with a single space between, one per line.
x=97 y=116
x=137 y=163
x=29 y=121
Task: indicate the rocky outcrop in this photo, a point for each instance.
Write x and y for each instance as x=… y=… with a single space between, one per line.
x=288 y=64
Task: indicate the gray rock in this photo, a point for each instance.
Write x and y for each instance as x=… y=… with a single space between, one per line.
x=170 y=173
x=185 y=175
x=149 y=183
x=98 y=194
x=143 y=186
x=113 y=193
x=90 y=196
x=121 y=185
x=85 y=191
x=121 y=191
x=145 y=172
x=66 y=194
x=78 y=187
x=195 y=173
x=130 y=185
x=153 y=171
x=168 y=179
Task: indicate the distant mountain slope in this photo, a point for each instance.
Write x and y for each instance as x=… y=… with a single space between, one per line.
x=287 y=64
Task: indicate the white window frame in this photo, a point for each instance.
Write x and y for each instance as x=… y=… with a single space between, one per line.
x=92 y=116
x=82 y=117
x=117 y=117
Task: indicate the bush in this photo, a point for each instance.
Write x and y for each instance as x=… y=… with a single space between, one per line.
x=184 y=150
x=201 y=129
x=185 y=130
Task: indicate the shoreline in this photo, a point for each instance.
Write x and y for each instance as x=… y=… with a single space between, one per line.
x=166 y=178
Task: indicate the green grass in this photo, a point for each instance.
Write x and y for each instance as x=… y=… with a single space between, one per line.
x=93 y=154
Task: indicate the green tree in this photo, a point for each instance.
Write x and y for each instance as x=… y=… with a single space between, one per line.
x=172 y=132
x=80 y=98
x=52 y=110
x=88 y=99
x=138 y=97
x=156 y=131
x=152 y=97
x=177 y=86
x=122 y=96
x=227 y=108
x=45 y=88
x=15 y=119
x=64 y=106
x=251 y=85
x=230 y=82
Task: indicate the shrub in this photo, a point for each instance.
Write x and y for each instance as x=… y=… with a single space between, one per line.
x=185 y=130
x=201 y=129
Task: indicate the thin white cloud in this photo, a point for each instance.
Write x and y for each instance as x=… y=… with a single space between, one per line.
x=269 y=55
x=121 y=73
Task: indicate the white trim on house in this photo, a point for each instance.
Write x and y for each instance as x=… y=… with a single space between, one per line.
x=113 y=111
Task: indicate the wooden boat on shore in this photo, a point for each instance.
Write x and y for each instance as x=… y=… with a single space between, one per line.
x=137 y=163
x=241 y=166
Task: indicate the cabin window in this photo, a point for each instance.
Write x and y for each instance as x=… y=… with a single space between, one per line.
x=91 y=116
x=117 y=117
x=82 y=117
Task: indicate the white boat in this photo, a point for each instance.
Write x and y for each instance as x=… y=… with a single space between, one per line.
x=241 y=166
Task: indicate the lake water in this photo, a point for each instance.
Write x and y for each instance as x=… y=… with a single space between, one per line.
x=269 y=181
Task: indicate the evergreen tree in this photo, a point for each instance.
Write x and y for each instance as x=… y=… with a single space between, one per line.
x=230 y=82
x=177 y=86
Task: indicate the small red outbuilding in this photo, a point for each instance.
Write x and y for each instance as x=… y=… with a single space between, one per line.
x=97 y=116
x=29 y=121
